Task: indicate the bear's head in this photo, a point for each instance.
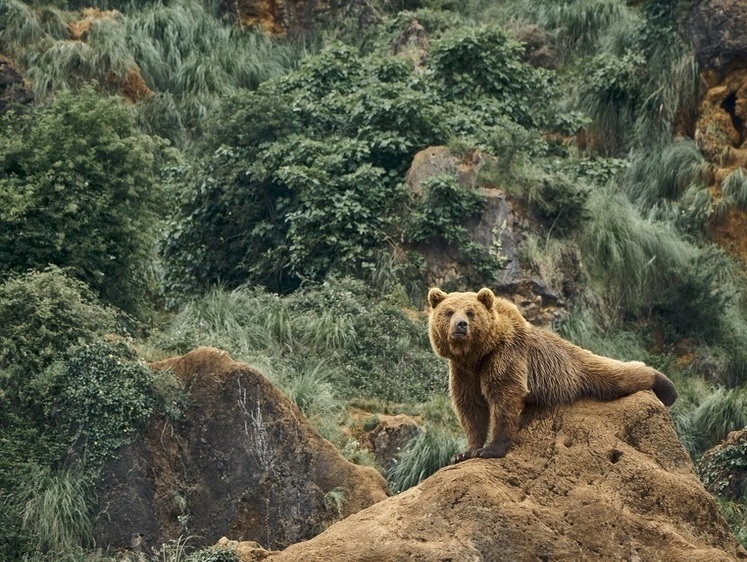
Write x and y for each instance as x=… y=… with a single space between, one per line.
x=462 y=325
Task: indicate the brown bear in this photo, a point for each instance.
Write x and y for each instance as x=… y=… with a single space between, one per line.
x=500 y=364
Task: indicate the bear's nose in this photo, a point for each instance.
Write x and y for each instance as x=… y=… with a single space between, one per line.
x=461 y=324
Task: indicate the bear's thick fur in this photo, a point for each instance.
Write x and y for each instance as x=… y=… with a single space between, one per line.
x=499 y=364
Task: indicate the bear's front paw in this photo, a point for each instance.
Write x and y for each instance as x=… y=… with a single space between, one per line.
x=463 y=456
x=494 y=451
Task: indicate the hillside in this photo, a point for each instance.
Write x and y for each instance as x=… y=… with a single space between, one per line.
x=285 y=180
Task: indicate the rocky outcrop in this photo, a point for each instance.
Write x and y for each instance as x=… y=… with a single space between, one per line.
x=243 y=461
x=500 y=229
x=716 y=30
x=590 y=482
x=723 y=469
x=390 y=436
x=12 y=87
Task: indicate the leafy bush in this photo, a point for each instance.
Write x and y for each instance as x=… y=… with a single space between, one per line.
x=79 y=189
x=612 y=93
x=102 y=394
x=44 y=315
x=331 y=140
x=486 y=63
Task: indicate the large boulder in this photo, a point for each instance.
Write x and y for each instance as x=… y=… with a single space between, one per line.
x=593 y=481
x=716 y=30
x=242 y=461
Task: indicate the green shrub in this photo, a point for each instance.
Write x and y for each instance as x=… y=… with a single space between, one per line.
x=79 y=189
x=44 y=315
x=612 y=91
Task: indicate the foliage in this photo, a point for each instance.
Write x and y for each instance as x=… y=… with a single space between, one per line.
x=735 y=514
x=45 y=314
x=721 y=412
x=443 y=210
x=331 y=141
x=733 y=193
x=102 y=394
x=79 y=189
x=612 y=92
x=486 y=63
x=580 y=25
x=663 y=174
x=322 y=344
x=184 y=57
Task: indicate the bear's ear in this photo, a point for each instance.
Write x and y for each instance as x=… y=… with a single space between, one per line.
x=486 y=297
x=435 y=296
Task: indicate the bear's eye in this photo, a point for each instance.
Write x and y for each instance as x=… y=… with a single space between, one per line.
x=470 y=314
x=448 y=313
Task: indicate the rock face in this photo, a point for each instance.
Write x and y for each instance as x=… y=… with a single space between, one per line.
x=500 y=229
x=716 y=30
x=388 y=438
x=12 y=87
x=242 y=462
x=590 y=482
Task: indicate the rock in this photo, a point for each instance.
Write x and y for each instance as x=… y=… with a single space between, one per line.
x=716 y=30
x=412 y=44
x=500 y=229
x=12 y=87
x=723 y=468
x=539 y=46
x=590 y=482
x=243 y=461
x=388 y=438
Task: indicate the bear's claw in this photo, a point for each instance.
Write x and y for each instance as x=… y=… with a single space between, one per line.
x=496 y=452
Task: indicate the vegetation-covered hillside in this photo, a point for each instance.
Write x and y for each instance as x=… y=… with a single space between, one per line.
x=185 y=178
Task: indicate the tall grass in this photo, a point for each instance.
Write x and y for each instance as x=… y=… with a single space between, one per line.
x=187 y=55
x=19 y=26
x=55 y=510
x=733 y=193
x=580 y=25
x=423 y=455
x=735 y=514
x=633 y=254
x=722 y=411
x=663 y=173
